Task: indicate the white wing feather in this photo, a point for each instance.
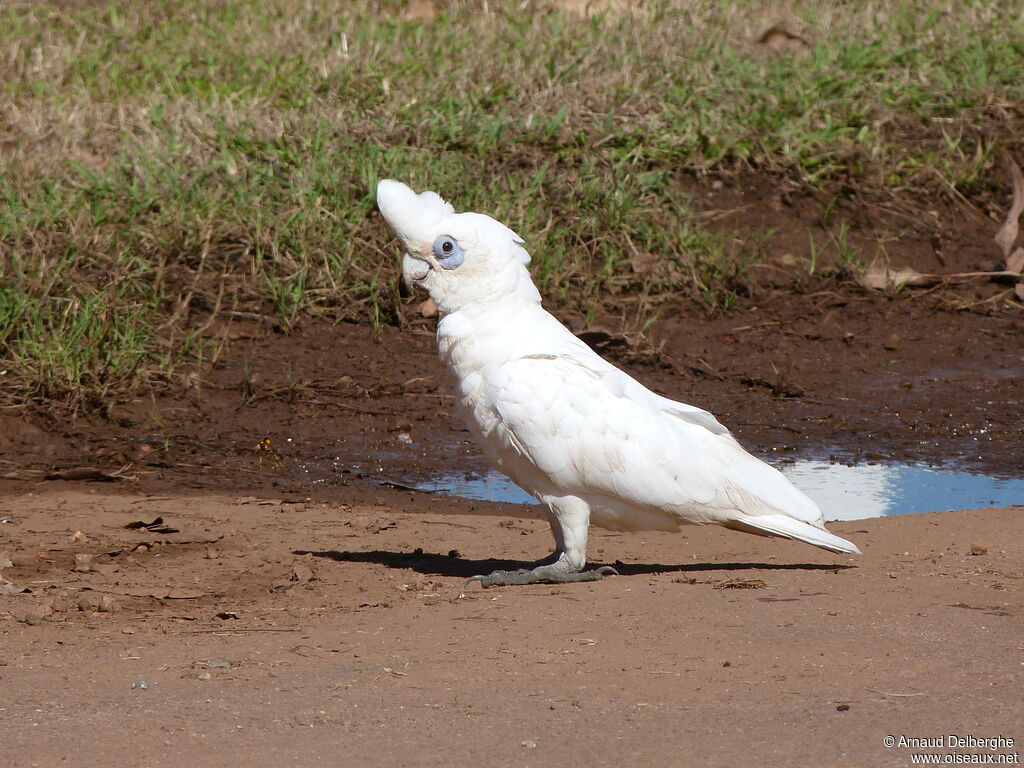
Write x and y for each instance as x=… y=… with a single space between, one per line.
x=640 y=460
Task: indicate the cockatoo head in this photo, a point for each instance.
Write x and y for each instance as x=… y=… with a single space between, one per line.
x=459 y=258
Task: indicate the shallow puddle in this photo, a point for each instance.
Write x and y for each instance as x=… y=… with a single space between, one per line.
x=844 y=492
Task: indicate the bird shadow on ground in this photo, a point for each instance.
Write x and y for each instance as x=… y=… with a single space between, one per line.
x=429 y=563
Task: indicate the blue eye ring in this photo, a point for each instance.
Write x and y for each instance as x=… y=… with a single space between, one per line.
x=448 y=252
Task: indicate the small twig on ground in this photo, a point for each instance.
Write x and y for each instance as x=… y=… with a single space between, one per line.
x=238 y=629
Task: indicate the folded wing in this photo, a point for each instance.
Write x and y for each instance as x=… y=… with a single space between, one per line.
x=591 y=430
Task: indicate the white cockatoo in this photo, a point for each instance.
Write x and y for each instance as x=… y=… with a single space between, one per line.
x=587 y=440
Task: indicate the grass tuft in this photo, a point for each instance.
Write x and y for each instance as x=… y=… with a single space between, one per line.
x=166 y=167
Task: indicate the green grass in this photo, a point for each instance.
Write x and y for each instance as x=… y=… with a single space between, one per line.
x=165 y=165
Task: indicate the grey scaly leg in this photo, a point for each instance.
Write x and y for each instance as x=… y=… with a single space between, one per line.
x=570 y=518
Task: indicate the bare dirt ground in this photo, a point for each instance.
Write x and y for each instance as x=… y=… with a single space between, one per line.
x=222 y=600
x=368 y=650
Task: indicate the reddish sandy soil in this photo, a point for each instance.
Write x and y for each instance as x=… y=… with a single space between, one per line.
x=294 y=609
x=370 y=650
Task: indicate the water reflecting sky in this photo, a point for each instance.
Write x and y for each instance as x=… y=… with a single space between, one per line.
x=873 y=490
x=843 y=492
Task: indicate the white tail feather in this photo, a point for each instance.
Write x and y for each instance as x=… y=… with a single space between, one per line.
x=790 y=528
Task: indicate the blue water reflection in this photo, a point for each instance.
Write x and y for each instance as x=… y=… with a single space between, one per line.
x=843 y=492
x=490 y=486
x=873 y=490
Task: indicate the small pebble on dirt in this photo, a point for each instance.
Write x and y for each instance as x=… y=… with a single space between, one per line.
x=213 y=664
x=978 y=549
x=107 y=604
x=842 y=708
x=529 y=744
x=83 y=563
x=58 y=604
x=141 y=684
x=9 y=588
x=88 y=602
x=35 y=615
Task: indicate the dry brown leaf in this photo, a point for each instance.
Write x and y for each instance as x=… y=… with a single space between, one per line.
x=778 y=38
x=642 y=263
x=420 y=10
x=652 y=264
x=87 y=158
x=1007 y=234
x=589 y=8
x=879 y=278
x=428 y=308
x=87 y=473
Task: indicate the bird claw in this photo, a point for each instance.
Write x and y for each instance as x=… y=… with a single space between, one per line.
x=544 y=574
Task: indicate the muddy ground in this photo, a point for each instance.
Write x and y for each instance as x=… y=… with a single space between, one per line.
x=198 y=594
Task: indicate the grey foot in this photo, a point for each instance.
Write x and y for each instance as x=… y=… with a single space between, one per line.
x=542 y=574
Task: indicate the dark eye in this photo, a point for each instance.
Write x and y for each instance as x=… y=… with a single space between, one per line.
x=448 y=252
